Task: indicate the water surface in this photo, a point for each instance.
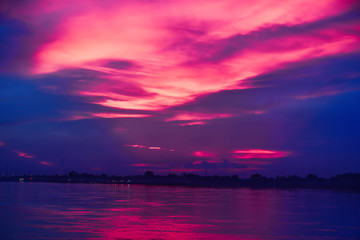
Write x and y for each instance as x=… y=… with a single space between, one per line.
x=96 y=211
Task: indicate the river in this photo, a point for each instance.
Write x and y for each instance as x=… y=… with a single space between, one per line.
x=100 y=211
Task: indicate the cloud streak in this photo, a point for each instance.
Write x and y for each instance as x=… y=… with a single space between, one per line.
x=139 y=44
x=179 y=84
x=258 y=153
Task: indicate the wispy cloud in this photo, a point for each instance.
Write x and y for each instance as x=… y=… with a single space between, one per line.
x=179 y=84
x=150 y=147
x=23 y=155
x=120 y=115
x=197 y=116
x=177 y=51
x=204 y=154
x=45 y=163
x=258 y=153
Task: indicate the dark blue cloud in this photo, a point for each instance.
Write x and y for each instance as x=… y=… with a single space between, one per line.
x=315 y=78
x=12 y=33
x=74 y=80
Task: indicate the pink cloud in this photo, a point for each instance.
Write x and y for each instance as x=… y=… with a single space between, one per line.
x=255 y=112
x=45 y=163
x=210 y=161
x=140 y=165
x=135 y=146
x=197 y=116
x=87 y=115
x=136 y=29
x=192 y=123
x=120 y=115
x=324 y=93
x=197 y=162
x=24 y=155
x=150 y=147
x=146 y=32
x=259 y=153
x=203 y=154
x=154 y=148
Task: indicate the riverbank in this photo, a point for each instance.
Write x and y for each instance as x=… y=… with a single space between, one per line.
x=349 y=181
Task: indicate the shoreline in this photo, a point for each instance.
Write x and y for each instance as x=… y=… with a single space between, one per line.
x=348 y=181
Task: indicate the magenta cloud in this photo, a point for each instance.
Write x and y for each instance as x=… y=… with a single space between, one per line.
x=169 y=45
x=259 y=153
x=178 y=84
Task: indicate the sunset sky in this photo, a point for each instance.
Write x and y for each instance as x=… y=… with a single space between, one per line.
x=236 y=87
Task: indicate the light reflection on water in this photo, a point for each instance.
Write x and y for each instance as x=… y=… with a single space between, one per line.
x=95 y=211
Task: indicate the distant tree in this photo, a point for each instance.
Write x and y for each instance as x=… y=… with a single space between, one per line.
x=234 y=178
x=73 y=174
x=149 y=174
x=294 y=178
x=215 y=177
x=255 y=177
x=103 y=175
x=225 y=178
x=312 y=177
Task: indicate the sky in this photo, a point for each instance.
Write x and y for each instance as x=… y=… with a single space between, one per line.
x=233 y=87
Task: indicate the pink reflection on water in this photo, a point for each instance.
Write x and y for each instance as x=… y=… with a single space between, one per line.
x=120 y=223
x=90 y=211
x=154 y=213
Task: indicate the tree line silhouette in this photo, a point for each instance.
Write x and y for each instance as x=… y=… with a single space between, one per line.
x=340 y=181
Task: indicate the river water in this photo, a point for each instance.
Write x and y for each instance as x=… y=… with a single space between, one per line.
x=97 y=211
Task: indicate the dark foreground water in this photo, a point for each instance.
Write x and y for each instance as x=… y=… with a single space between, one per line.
x=95 y=211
